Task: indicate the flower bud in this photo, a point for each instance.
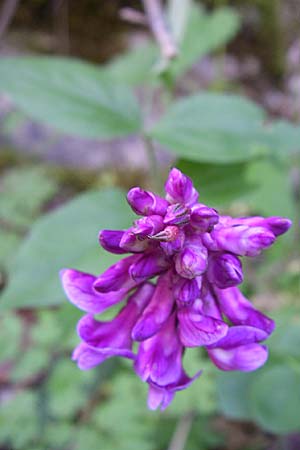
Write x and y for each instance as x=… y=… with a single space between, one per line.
x=146 y=203
x=148 y=225
x=243 y=240
x=224 y=270
x=185 y=290
x=173 y=246
x=191 y=261
x=179 y=188
x=203 y=218
x=130 y=242
x=148 y=266
x=110 y=241
x=277 y=225
x=116 y=276
x=177 y=214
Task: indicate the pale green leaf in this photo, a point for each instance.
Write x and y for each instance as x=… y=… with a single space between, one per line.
x=73 y=96
x=213 y=128
x=67 y=237
x=275 y=399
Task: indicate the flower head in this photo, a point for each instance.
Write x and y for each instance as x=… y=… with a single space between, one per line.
x=195 y=254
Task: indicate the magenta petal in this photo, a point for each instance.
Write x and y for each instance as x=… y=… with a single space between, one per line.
x=191 y=261
x=277 y=225
x=103 y=340
x=86 y=357
x=159 y=357
x=130 y=242
x=177 y=214
x=240 y=335
x=146 y=203
x=241 y=312
x=157 y=311
x=78 y=287
x=185 y=290
x=243 y=240
x=159 y=397
x=195 y=329
x=110 y=241
x=179 y=188
x=116 y=276
x=245 y=357
x=148 y=266
x=148 y=226
x=203 y=218
x=224 y=270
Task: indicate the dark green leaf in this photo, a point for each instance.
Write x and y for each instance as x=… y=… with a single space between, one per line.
x=72 y=96
x=213 y=128
x=275 y=399
x=66 y=237
x=233 y=394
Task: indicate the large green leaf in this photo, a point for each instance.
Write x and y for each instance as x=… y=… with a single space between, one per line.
x=135 y=66
x=214 y=128
x=72 y=96
x=233 y=394
x=66 y=237
x=284 y=138
x=275 y=399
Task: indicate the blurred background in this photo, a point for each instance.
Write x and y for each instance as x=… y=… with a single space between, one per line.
x=68 y=153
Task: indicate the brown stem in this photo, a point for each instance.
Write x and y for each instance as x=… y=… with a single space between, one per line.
x=7 y=13
x=133 y=16
x=182 y=431
x=162 y=34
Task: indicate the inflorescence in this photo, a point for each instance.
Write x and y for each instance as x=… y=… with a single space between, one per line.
x=179 y=287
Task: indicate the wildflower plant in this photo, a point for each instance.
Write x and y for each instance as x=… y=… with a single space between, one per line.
x=179 y=286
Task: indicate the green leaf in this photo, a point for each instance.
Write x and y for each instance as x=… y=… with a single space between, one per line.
x=285 y=340
x=201 y=34
x=213 y=128
x=18 y=420
x=73 y=96
x=179 y=13
x=135 y=66
x=284 y=138
x=204 y=34
x=23 y=193
x=31 y=362
x=67 y=388
x=273 y=195
x=11 y=332
x=66 y=237
x=275 y=399
x=233 y=394
x=218 y=184
x=20 y=206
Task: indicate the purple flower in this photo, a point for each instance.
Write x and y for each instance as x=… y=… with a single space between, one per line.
x=195 y=254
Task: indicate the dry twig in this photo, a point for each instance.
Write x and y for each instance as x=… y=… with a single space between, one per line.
x=162 y=34
x=6 y=15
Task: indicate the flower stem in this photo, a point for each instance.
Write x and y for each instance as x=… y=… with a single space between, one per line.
x=182 y=431
x=153 y=165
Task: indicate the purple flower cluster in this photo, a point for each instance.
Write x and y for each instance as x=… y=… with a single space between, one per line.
x=194 y=301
